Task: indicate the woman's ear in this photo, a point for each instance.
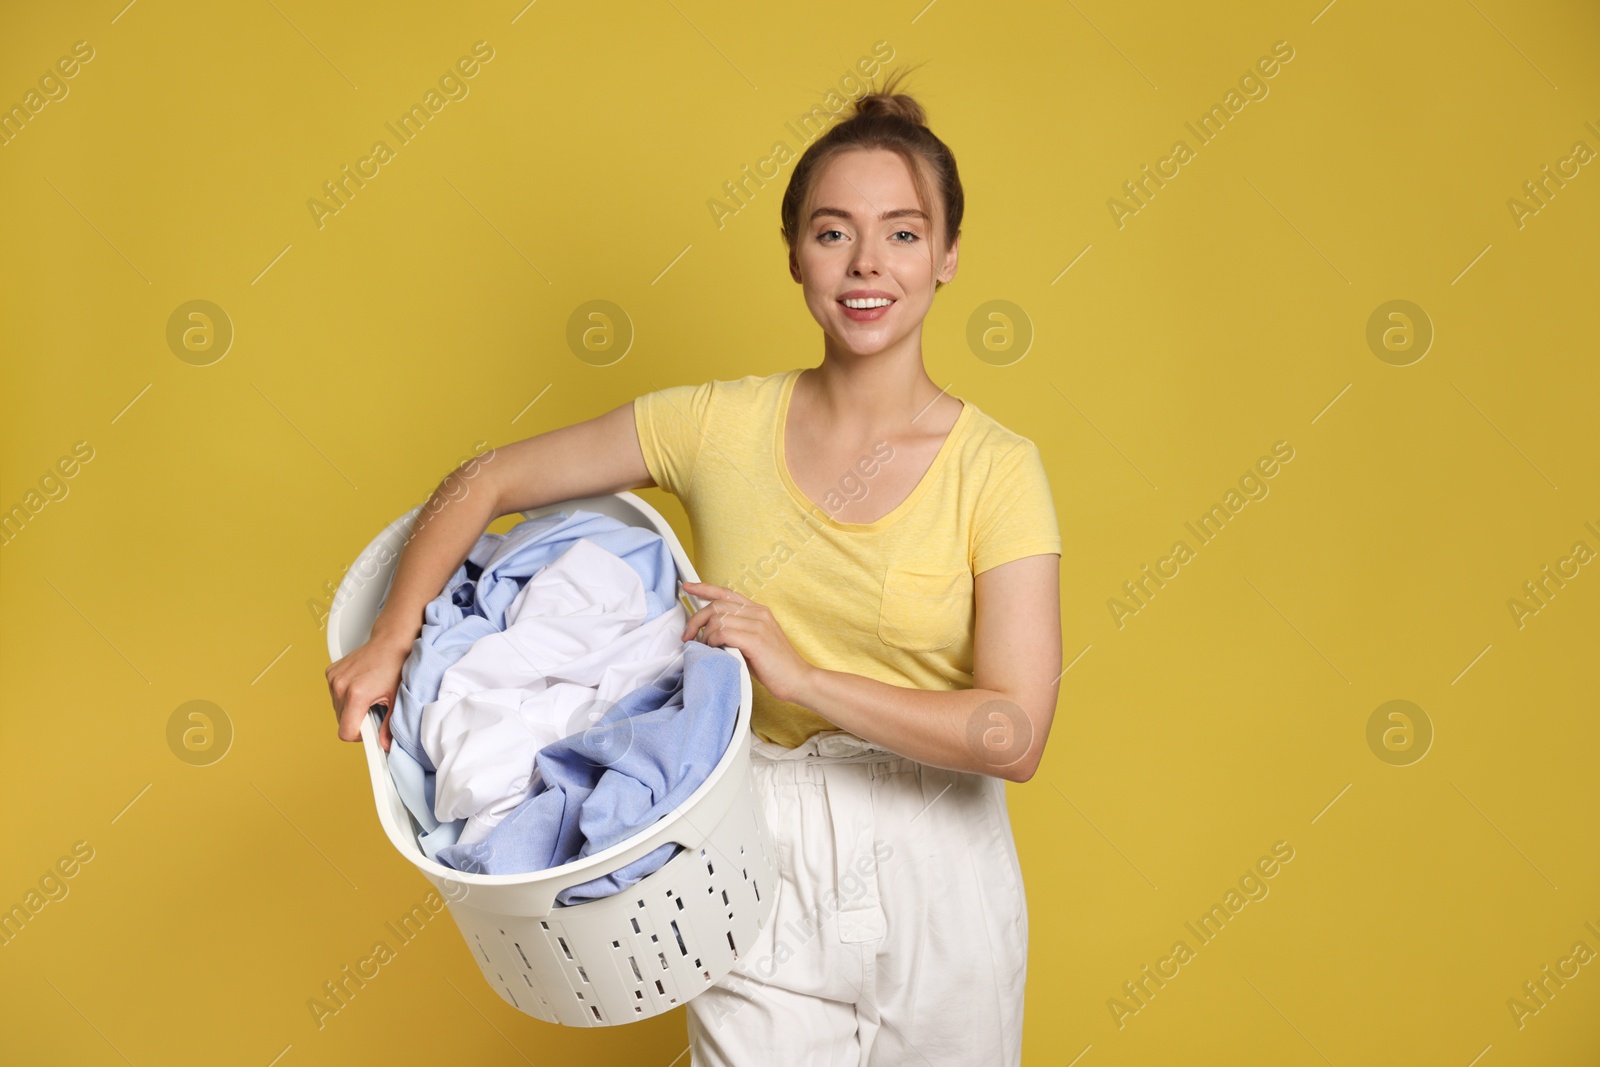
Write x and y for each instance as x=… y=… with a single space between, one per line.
x=947 y=270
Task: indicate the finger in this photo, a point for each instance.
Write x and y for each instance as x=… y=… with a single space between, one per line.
x=711 y=615
x=706 y=591
x=356 y=707
x=698 y=620
x=349 y=724
x=335 y=667
x=731 y=629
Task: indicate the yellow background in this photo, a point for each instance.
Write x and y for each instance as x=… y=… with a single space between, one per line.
x=1228 y=314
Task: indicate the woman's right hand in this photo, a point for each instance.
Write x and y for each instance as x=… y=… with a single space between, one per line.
x=368 y=675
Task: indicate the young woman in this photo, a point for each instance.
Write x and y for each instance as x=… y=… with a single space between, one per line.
x=886 y=558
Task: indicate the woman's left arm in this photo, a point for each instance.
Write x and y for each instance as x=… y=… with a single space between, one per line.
x=998 y=727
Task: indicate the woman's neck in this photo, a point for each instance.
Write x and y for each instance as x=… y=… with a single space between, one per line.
x=863 y=394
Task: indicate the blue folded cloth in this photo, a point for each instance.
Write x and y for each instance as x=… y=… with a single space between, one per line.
x=638 y=763
x=415 y=786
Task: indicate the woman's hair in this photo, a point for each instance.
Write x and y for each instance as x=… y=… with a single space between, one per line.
x=893 y=121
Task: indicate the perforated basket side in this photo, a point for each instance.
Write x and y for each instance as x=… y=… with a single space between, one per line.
x=637 y=953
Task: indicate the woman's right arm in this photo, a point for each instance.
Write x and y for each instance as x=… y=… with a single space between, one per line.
x=591 y=458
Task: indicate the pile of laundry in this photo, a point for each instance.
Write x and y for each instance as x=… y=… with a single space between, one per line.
x=550 y=708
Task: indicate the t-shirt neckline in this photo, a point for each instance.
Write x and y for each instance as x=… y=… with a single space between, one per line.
x=916 y=494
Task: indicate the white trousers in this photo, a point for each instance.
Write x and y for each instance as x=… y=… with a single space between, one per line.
x=900 y=931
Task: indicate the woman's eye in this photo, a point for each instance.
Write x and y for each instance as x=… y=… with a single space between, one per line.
x=912 y=234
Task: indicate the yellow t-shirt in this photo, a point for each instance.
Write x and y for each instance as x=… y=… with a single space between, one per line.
x=890 y=600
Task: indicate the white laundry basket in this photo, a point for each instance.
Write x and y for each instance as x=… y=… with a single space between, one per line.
x=624 y=957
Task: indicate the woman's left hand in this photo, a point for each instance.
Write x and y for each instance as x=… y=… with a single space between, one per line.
x=735 y=621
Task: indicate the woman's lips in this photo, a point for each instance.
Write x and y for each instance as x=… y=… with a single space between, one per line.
x=866 y=314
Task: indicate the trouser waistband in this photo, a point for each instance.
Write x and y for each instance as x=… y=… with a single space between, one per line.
x=832 y=746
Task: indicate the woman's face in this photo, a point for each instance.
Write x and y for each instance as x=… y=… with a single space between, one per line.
x=862 y=232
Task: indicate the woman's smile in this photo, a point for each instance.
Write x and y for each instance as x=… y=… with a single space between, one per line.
x=866 y=305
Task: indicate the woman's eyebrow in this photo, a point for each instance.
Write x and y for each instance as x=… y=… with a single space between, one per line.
x=839 y=212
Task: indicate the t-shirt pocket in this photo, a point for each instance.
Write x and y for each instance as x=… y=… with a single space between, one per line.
x=921 y=612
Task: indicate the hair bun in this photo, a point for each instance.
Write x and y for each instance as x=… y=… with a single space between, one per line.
x=897 y=105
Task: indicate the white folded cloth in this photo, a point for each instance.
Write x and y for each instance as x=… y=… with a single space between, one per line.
x=576 y=641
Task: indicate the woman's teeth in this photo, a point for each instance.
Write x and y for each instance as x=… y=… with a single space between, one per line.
x=875 y=302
